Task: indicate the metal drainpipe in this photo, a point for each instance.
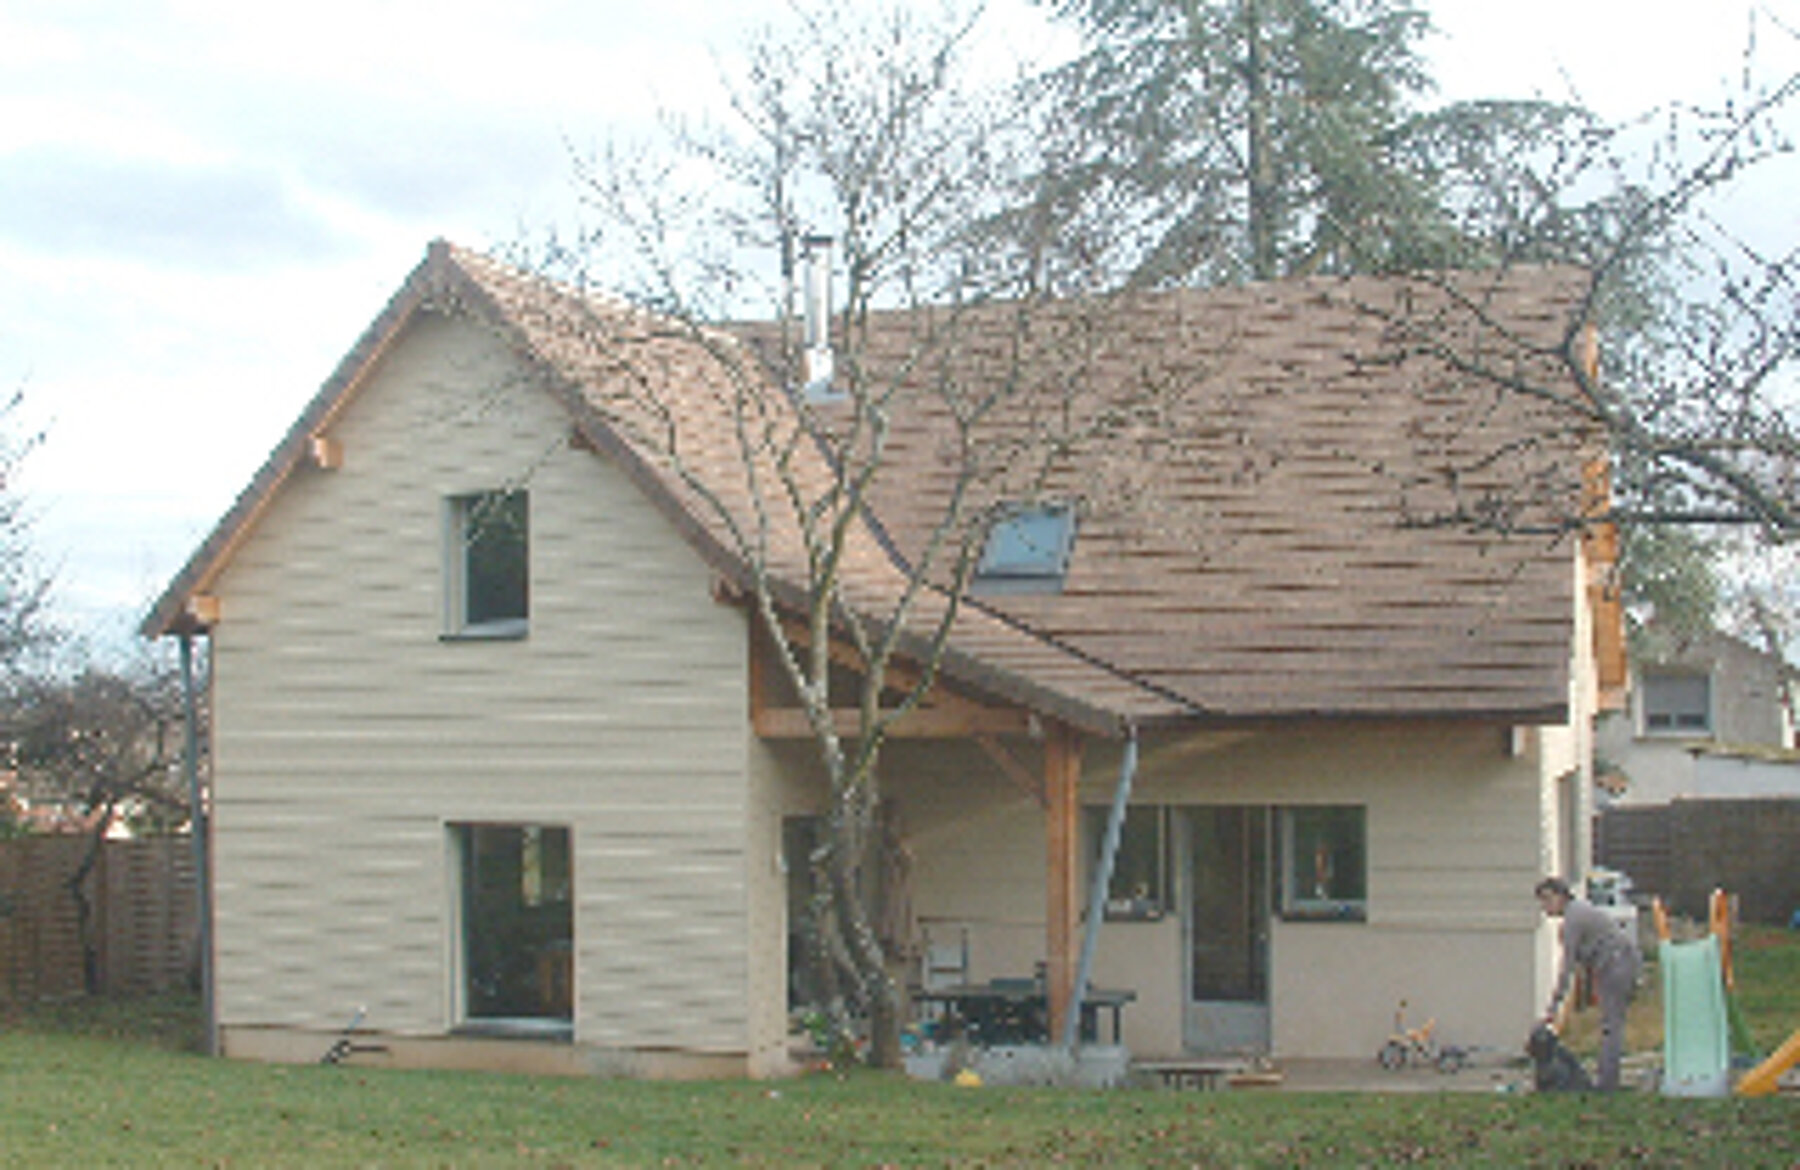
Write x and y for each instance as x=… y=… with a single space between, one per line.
x=1096 y=905
x=201 y=828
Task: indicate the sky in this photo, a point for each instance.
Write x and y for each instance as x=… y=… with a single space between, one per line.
x=204 y=202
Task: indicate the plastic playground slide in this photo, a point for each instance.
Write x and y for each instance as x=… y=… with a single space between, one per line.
x=1760 y=1081
x=1696 y=1035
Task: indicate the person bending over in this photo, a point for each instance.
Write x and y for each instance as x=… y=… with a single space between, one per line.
x=1590 y=939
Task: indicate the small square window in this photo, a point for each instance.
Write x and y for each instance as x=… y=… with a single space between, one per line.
x=489 y=564
x=1677 y=704
x=1324 y=868
x=1139 y=890
x=1029 y=546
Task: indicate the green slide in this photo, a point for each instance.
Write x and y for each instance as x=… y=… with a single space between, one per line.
x=1696 y=1035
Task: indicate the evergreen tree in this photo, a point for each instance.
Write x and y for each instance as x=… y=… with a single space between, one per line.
x=1227 y=140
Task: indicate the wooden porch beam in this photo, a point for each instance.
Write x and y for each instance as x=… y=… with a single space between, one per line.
x=944 y=714
x=898 y=676
x=1062 y=841
x=326 y=454
x=203 y=610
x=920 y=723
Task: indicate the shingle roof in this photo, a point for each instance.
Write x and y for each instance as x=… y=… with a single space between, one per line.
x=659 y=398
x=1275 y=580
x=1271 y=542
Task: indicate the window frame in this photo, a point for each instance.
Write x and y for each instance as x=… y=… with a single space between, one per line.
x=534 y=898
x=1350 y=906
x=1000 y=569
x=1671 y=715
x=460 y=550
x=1156 y=902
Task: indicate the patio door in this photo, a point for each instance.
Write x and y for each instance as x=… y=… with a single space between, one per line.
x=516 y=923
x=1225 y=855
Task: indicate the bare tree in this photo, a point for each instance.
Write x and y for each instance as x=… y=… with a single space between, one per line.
x=860 y=155
x=25 y=626
x=105 y=747
x=777 y=435
x=1679 y=351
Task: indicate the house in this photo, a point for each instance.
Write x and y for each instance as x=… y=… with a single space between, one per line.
x=497 y=758
x=1706 y=779
x=1710 y=716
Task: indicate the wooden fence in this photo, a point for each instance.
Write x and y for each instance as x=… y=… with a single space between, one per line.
x=142 y=924
x=1687 y=848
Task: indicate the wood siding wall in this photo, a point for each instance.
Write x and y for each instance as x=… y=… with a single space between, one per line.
x=142 y=895
x=1454 y=845
x=350 y=733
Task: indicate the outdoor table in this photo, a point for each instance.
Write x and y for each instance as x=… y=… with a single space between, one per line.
x=1017 y=1011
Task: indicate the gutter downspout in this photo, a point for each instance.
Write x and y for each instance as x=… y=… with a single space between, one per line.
x=1109 y=853
x=202 y=829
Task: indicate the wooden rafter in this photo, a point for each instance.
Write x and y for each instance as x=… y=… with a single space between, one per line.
x=943 y=715
x=1012 y=769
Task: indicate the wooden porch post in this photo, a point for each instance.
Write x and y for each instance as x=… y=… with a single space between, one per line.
x=1062 y=768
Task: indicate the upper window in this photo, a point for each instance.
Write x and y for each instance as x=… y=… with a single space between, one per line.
x=1028 y=547
x=489 y=587
x=1678 y=703
x=1324 y=870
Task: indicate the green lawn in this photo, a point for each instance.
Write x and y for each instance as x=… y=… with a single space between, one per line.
x=109 y=1085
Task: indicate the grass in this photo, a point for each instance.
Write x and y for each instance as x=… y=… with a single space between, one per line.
x=1768 y=984
x=117 y=1084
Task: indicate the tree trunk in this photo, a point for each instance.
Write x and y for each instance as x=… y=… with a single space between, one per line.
x=1259 y=211
x=84 y=908
x=885 y=1023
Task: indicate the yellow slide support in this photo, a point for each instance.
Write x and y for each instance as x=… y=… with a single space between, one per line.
x=1760 y=1081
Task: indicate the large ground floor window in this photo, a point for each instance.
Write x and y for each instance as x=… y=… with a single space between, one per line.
x=517 y=923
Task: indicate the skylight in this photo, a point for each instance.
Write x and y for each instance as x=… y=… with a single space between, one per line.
x=1028 y=547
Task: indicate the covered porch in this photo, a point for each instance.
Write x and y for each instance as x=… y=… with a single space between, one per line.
x=954 y=761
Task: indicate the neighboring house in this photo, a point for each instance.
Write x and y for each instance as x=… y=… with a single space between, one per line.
x=496 y=757
x=1710 y=716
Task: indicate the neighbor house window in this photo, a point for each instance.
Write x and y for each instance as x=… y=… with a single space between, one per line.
x=1324 y=862
x=1027 y=548
x=489 y=564
x=1677 y=703
x=517 y=924
x=1139 y=889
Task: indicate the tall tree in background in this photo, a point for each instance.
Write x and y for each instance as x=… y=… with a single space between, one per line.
x=1221 y=140
x=1227 y=140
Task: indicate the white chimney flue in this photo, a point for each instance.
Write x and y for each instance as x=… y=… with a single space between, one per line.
x=817 y=315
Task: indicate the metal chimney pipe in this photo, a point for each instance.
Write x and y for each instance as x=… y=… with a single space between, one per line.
x=817 y=314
